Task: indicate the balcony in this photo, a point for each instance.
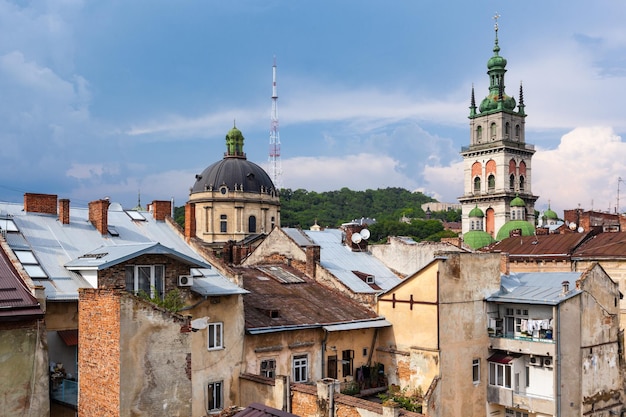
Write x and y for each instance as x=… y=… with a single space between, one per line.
x=65 y=391
x=543 y=345
x=517 y=399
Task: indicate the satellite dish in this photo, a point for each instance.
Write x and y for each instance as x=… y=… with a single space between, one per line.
x=199 y=324
x=356 y=238
x=365 y=234
x=580 y=229
x=572 y=226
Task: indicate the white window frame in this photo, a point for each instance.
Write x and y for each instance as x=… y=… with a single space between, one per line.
x=153 y=279
x=500 y=375
x=476 y=371
x=215 y=336
x=215 y=396
x=300 y=368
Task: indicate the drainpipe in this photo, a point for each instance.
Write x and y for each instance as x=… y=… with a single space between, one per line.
x=323 y=373
x=558 y=360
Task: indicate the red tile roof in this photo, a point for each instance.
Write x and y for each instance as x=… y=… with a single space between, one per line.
x=274 y=303
x=16 y=301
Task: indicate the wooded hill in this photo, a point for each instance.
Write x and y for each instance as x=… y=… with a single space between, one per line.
x=302 y=208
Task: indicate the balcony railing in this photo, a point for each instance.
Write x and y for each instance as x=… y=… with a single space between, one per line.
x=65 y=391
x=544 y=336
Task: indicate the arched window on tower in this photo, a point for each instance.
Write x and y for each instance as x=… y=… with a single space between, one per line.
x=252 y=224
x=477 y=185
x=493 y=131
x=479 y=133
x=491 y=183
x=273 y=222
x=513 y=214
x=512 y=182
x=507 y=129
x=517 y=131
x=521 y=183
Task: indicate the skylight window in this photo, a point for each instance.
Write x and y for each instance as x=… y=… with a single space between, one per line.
x=135 y=215
x=30 y=264
x=8 y=225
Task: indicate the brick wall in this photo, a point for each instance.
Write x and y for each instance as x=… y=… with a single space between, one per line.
x=99 y=215
x=99 y=353
x=161 y=209
x=190 y=221
x=40 y=203
x=64 y=211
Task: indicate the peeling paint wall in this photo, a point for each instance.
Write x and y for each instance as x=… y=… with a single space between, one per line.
x=407 y=258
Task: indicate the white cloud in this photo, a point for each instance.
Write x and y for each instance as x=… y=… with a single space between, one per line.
x=583 y=170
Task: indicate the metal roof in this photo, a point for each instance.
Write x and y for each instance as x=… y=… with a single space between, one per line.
x=603 y=245
x=561 y=245
x=341 y=261
x=260 y=410
x=55 y=245
x=208 y=282
x=367 y=324
x=536 y=288
x=16 y=301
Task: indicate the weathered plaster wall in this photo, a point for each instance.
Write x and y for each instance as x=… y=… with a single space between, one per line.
x=61 y=315
x=217 y=365
x=23 y=370
x=408 y=257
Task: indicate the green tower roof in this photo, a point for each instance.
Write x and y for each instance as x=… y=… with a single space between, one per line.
x=517 y=202
x=476 y=212
x=477 y=239
x=505 y=231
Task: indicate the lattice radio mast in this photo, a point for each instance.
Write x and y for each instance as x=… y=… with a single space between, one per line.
x=274 y=157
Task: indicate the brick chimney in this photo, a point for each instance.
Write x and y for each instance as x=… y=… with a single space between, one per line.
x=40 y=203
x=64 y=211
x=161 y=209
x=312 y=259
x=190 y=221
x=99 y=215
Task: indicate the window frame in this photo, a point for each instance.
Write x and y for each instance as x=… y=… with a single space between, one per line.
x=215 y=336
x=500 y=375
x=300 y=368
x=156 y=284
x=223 y=223
x=268 y=371
x=347 y=362
x=476 y=371
x=215 y=396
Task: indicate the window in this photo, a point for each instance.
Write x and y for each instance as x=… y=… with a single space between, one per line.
x=273 y=221
x=521 y=183
x=332 y=367
x=223 y=223
x=477 y=185
x=491 y=181
x=527 y=376
x=214 y=396
x=347 y=357
x=512 y=182
x=268 y=368
x=148 y=279
x=300 y=368
x=517 y=130
x=479 y=133
x=507 y=129
x=500 y=374
x=214 y=340
x=252 y=224
x=493 y=131
x=512 y=413
x=476 y=371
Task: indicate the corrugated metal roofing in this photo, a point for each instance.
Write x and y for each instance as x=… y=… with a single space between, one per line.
x=561 y=245
x=55 y=244
x=70 y=337
x=368 y=324
x=340 y=260
x=536 y=288
x=603 y=245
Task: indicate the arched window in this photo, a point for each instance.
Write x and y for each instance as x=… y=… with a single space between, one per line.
x=477 y=185
x=479 y=133
x=517 y=131
x=521 y=183
x=507 y=129
x=512 y=182
x=491 y=182
x=252 y=224
x=273 y=222
x=223 y=223
x=513 y=214
x=493 y=131
x=472 y=225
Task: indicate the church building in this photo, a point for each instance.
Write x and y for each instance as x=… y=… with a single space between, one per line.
x=498 y=161
x=233 y=199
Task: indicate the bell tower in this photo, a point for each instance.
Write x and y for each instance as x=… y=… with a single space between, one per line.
x=497 y=164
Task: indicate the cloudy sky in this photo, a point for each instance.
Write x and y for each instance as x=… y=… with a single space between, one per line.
x=115 y=98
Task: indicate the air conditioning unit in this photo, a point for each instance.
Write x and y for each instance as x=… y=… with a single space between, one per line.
x=535 y=361
x=547 y=362
x=185 y=280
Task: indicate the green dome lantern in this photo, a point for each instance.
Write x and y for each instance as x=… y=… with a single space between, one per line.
x=517 y=202
x=476 y=212
x=477 y=239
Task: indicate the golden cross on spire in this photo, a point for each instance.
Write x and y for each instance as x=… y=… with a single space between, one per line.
x=496 y=17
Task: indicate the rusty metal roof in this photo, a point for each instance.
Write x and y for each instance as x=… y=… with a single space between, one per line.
x=603 y=245
x=16 y=301
x=276 y=305
x=541 y=246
